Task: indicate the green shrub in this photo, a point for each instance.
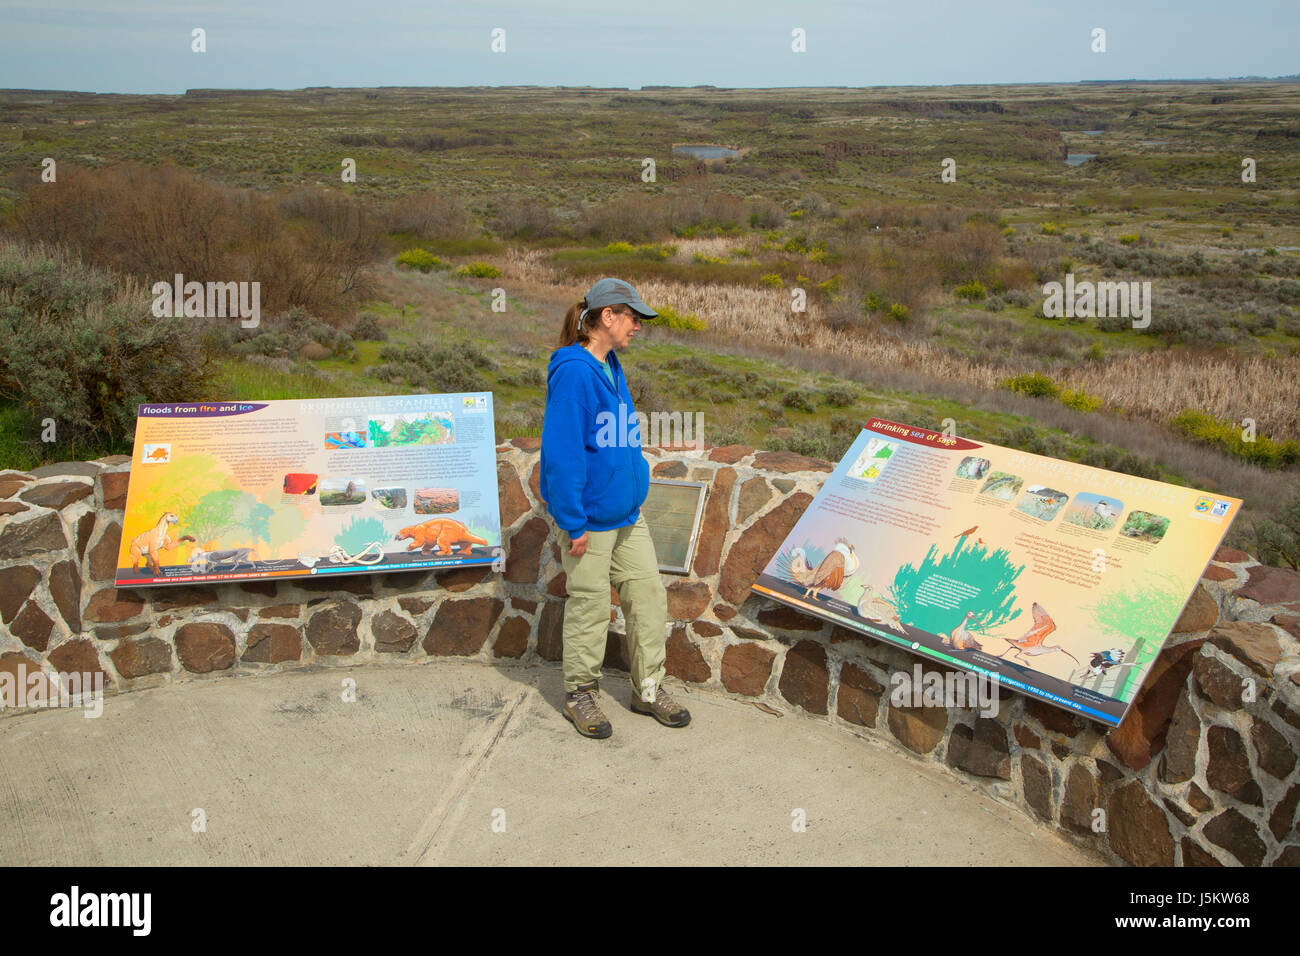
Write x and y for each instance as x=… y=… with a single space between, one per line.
x=771 y=280
x=421 y=259
x=1263 y=451
x=873 y=302
x=838 y=396
x=367 y=329
x=1129 y=238
x=798 y=400
x=78 y=348
x=899 y=312
x=710 y=260
x=292 y=334
x=831 y=287
x=675 y=320
x=479 y=270
x=425 y=368
x=972 y=291
x=1050 y=229
x=814 y=440
x=1274 y=539
x=691 y=366
x=1080 y=400
x=1031 y=383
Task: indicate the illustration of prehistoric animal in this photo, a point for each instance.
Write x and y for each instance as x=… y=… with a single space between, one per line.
x=158 y=454
x=962 y=639
x=969 y=531
x=1030 y=644
x=875 y=608
x=834 y=568
x=372 y=553
x=441 y=534
x=1103 y=661
x=202 y=561
x=150 y=544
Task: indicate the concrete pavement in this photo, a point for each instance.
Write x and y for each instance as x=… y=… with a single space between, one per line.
x=459 y=763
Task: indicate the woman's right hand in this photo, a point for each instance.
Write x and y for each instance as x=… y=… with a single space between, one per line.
x=578 y=545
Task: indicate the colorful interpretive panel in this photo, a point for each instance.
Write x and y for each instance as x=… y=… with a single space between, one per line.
x=229 y=491
x=1061 y=581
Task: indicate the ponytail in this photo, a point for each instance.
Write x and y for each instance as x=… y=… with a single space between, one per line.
x=574 y=330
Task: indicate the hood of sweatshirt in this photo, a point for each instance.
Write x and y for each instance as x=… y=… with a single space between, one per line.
x=576 y=353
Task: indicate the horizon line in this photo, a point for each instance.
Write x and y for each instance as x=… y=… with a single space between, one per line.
x=657 y=87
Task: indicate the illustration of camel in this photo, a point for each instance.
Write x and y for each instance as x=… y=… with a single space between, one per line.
x=150 y=544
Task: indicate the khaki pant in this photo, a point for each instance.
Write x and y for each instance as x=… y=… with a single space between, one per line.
x=625 y=558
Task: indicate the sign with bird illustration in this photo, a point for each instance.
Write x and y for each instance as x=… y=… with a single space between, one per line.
x=1059 y=580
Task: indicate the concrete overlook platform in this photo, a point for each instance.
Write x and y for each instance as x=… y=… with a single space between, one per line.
x=417 y=770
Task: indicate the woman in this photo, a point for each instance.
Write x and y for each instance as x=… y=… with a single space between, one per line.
x=594 y=480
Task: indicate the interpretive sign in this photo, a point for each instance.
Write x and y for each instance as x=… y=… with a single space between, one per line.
x=228 y=491
x=1060 y=581
x=672 y=511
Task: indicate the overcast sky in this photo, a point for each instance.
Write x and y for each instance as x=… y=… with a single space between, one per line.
x=143 y=46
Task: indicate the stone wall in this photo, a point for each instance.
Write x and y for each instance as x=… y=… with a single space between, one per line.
x=1197 y=774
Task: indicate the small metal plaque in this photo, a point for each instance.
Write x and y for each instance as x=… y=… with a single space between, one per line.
x=672 y=511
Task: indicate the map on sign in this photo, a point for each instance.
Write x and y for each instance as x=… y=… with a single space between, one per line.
x=1061 y=580
x=228 y=491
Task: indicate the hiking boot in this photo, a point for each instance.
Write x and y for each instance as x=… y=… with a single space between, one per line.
x=581 y=708
x=664 y=709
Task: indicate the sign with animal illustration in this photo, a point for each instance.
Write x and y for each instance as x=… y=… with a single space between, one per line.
x=1060 y=581
x=230 y=491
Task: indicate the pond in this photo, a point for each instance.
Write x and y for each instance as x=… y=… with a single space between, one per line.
x=707 y=152
x=1078 y=159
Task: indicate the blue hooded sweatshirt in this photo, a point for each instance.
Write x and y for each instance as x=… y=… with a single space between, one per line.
x=593 y=474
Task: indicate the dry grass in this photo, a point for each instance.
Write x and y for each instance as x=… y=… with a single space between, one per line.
x=1158 y=386
x=764 y=315
x=1154 y=386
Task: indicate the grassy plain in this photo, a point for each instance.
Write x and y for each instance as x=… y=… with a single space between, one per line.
x=923 y=295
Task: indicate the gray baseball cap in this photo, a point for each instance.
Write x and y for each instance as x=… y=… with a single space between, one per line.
x=610 y=291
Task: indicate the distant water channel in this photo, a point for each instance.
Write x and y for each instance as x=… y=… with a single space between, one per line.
x=707 y=152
